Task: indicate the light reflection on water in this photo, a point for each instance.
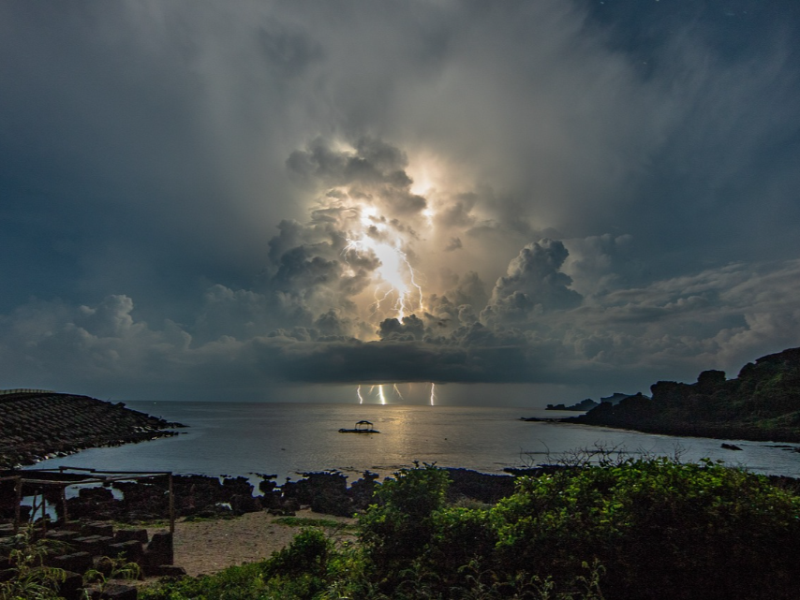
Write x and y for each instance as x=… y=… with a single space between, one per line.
x=287 y=439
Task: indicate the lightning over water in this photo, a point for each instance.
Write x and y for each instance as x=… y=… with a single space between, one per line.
x=384 y=395
x=380 y=394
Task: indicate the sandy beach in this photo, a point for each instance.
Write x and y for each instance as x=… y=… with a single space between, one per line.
x=203 y=547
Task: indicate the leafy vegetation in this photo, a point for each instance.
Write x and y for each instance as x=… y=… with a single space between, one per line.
x=109 y=570
x=28 y=577
x=310 y=522
x=635 y=529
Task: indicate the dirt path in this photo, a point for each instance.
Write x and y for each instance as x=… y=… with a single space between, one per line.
x=203 y=547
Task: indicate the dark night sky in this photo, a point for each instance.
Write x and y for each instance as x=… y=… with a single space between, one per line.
x=211 y=200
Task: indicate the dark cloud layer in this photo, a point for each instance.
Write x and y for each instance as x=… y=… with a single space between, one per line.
x=198 y=200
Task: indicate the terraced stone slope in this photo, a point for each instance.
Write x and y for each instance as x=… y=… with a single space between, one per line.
x=37 y=425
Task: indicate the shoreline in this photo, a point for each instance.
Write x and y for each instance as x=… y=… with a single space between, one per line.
x=722 y=433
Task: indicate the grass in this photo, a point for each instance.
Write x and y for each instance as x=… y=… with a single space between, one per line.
x=312 y=522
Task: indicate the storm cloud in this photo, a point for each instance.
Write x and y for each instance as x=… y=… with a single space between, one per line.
x=197 y=199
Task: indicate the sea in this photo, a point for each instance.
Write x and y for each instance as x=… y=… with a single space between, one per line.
x=288 y=440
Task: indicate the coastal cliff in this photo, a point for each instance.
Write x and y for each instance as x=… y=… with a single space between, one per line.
x=37 y=425
x=762 y=404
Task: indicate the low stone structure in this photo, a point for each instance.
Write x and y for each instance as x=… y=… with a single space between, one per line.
x=80 y=548
x=39 y=425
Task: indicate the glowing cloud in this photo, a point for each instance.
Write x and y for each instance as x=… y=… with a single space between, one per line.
x=398 y=285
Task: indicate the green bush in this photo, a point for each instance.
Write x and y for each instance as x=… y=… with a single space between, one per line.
x=398 y=528
x=661 y=530
x=308 y=553
x=640 y=530
x=244 y=582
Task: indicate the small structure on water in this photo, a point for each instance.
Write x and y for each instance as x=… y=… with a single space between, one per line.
x=361 y=427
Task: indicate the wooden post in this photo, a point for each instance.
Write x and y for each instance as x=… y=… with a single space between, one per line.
x=64 y=503
x=17 y=510
x=171 y=507
x=44 y=513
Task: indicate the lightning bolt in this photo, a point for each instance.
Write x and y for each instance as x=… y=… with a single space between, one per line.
x=380 y=394
x=360 y=397
x=395 y=269
x=433 y=394
x=397 y=390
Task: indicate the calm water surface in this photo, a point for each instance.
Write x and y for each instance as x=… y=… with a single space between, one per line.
x=288 y=439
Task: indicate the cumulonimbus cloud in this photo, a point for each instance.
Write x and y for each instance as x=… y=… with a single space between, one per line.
x=195 y=197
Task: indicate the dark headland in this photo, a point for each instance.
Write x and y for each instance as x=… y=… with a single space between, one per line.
x=761 y=404
x=39 y=425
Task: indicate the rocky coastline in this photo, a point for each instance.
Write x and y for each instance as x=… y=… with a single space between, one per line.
x=761 y=404
x=39 y=425
x=202 y=496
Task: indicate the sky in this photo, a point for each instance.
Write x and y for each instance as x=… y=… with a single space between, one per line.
x=513 y=202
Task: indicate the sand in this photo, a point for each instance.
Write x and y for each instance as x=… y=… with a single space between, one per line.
x=204 y=547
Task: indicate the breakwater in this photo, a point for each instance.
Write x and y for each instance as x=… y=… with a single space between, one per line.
x=38 y=425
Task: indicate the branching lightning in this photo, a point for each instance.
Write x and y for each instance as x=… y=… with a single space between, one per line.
x=377 y=392
x=398 y=277
x=396 y=283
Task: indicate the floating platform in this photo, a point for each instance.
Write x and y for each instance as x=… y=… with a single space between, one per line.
x=361 y=427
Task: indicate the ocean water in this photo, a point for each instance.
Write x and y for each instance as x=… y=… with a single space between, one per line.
x=228 y=438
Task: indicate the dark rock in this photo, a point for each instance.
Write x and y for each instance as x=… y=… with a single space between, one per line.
x=126 y=535
x=95 y=545
x=170 y=571
x=62 y=535
x=79 y=562
x=291 y=505
x=324 y=492
x=583 y=405
x=115 y=591
x=241 y=504
x=158 y=552
x=97 y=528
x=362 y=490
x=71 y=588
x=131 y=550
x=72 y=525
x=762 y=404
x=709 y=381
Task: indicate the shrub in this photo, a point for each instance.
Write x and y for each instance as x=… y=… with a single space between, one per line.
x=397 y=529
x=641 y=529
x=661 y=529
x=308 y=553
